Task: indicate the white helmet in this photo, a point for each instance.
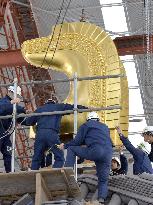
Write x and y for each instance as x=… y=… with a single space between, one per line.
x=148 y=130
x=92 y=116
x=11 y=88
x=118 y=161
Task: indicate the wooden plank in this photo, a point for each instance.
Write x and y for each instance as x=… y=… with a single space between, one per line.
x=45 y=188
x=26 y=199
x=42 y=193
x=67 y=182
x=51 y=179
x=17 y=183
x=59 y=181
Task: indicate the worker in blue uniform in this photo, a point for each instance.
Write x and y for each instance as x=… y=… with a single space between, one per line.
x=147 y=133
x=96 y=136
x=119 y=165
x=47 y=132
x=6 y=108
x=141 y=159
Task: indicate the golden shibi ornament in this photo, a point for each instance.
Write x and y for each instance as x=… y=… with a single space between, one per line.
x=88 y=50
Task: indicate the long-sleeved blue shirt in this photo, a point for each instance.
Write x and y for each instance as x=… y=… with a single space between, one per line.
x=49 y=121
x=90 y=133
x=124 y=164
x=141 y=160
x=150 y=155
x=6 y=108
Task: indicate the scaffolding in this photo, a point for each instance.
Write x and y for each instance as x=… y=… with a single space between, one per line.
x=30 y=78
x=75 y=111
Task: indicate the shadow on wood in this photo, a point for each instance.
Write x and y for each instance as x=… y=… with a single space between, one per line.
x=48 y=184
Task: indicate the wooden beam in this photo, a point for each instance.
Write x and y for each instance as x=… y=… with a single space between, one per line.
x=67 y=182
x=42 y=192
x=132 y=45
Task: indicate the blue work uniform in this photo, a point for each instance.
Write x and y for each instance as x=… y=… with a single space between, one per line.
x=141 y=159
x=6 y=108
x=150 y=155
x=96 y=136
x=47 y=133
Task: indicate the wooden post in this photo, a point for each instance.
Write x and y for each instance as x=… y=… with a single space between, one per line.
x=42 y=192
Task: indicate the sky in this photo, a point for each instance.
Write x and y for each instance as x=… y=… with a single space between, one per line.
x=118 y=24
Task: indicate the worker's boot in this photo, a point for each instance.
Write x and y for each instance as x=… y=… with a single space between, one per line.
x=98 y=202
x=101 y=201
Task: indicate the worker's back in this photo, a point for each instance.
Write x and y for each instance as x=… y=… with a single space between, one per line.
x=49 y=121
x=142 y=164
x=98 y=133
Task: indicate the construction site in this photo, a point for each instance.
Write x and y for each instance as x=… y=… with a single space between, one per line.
x=95 y=55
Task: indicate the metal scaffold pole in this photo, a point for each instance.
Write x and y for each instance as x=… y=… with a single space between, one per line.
x=75 y=116
x=14 y=126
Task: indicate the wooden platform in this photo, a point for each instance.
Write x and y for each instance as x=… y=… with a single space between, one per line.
x=48 y=184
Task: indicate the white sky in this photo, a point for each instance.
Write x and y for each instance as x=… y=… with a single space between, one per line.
x=114 y=19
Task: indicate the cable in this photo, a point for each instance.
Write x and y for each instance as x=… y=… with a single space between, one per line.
x=52 y=39
x=58 y=17
x=7 y=132
x=53 y=33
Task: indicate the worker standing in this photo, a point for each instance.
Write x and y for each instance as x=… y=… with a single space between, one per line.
x=6 y=108
x=141 y=159
x=47 y=132
x=96 y=136
x=147 y=133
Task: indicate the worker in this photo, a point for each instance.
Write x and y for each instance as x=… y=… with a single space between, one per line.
x=96 y=136
x=141 y=159
x=147 y=133
x=6 y=108
x=119 y=165
x=47 y=132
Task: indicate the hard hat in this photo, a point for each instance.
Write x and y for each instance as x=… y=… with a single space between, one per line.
x=148 y=130
x=92 y=116
x=117 y=160
x=11 y=88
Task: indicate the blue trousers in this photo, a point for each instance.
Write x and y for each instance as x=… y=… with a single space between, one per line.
x=47 y=138
x=5 y=144
x=101 y=156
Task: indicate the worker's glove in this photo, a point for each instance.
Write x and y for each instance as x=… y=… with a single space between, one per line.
x=28 y=111
x=9 y=149
x=16 y=100
x=61 y=146
x=119 y=131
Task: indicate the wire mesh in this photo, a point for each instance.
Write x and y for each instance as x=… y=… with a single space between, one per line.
x=50 y=8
